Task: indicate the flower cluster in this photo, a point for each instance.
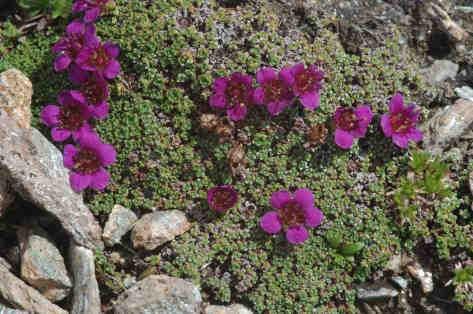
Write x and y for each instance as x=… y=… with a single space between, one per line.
x=275 y=90
x=90 y=63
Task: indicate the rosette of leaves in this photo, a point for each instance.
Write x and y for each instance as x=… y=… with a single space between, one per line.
x=57 y=8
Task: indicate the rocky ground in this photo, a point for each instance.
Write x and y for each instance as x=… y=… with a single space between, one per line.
x=148 y=244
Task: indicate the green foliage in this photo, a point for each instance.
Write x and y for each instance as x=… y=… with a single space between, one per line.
x=463 y=275
x=57 y=8
x=345 y=248
x=107 y=273
x=463 y=282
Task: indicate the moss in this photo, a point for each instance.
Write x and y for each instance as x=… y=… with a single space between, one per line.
x=171 y=51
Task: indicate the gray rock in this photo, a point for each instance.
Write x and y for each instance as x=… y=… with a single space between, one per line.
x=465 y=92
x=232 y=309
x=34 y=168
x=441 y=70
x=423 y=276
x=42 y=265
x=471 y=182
x=7 y=310
x=376 y=292
x=400 y=282
x=86 y=296
x=5 y=263
x=157 y=228
x=15 y=96
x=447 y=125
x=119 y=222
x=6 y=195
x=160 y=294
x=19 y=295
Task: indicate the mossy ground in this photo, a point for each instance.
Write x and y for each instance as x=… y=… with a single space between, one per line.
x=171 y=51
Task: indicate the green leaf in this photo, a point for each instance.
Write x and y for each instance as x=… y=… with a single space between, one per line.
x=351 y=249
x=334 y=239
x=419 y=161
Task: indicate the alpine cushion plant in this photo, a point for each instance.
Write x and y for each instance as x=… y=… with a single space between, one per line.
x=92 y=8
x=294 y=214
x=400 y=123
x=351 y=123
x=274 y=89
x=67 y=118
x=234 y=94
x=221 y=198
x=87 y=162
x=78 y=36
x=306 y=84
x=100 y=59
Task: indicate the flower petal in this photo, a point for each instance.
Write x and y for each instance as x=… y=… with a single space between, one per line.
x=237 y=113
x=397 y=103
x=112 y=69
x=386 y=125
x=218 y=101
x=401 y=140
x=91 y=15
x=265 y=75
x=79 y=182
x=416 y=135
x=258 y=96
x=112 y=49
x=107 y=153
x=100 y=111
x=297 y=235
x=49 y=115
x=304 y=197
x=100 y=180
x=60 y=135
x=77 y=75
x=343 y=139
x=270 y=222
x=310 y=100
x=61 y=62
x=313 y=217
x=276 y=107
x=75 y=27
x=280 y=198
x=286 y=76
x=68 y=156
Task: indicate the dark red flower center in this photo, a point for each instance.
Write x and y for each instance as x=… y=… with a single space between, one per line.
x=223 y=199
x=71 y=118
x=93 y=91
x=400 y=123
x=99 y=58
x=306 y=81
x=75 y=43
x=236 y=93
x=86 y=161
x=347 y=119
x=292 y=214
x=274 y=90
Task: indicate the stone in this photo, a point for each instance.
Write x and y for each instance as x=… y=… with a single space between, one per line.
x=155 y=229
x=400 y=282
x=19 y=295
x=158 y=294
x=86 y=295
x=447 y=125
x=5 y=264
x=6 y=195
x=394 y=263
x=465 y=92
x=7 y=310
x=119 y=222
x=42 y=265
x=471 y=182
x=15 y=96
x=36 y=172
x=376 y=292
x=439 y=15
x=440 y=71
x=232 y=309
x=423 y=276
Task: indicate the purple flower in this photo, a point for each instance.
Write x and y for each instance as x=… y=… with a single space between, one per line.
x=68 y=118
x=221 y=198
x=100 y=59
x=87 y=161
x=233 y=93
x=400 y=123
x=306 y=84
x=351 y=123
x=275 y=89
x=294 y=212
x=78 y=36
x=95 y=90
x=92 y=8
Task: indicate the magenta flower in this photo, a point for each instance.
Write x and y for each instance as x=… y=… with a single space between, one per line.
x=221 y=198
x=293 y=214
x=78 y=36
x=69 y=117
x=275 y=89
x=351 y=123
x=400 y=123
x=95 y=90
x=87 y=161
x=306 y=84
x=92 y=8
x=100 y=59
x=233 y=93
